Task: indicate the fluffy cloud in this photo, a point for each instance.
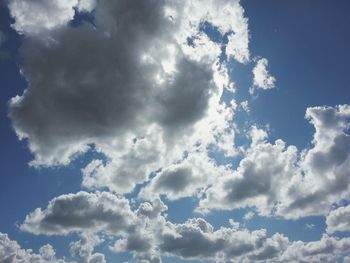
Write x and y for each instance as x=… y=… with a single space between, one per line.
x=154 y=237
x=82 y=250
x=196 y=239
x=136 y=91
x=82 y=212
x=324 y=179
x=259 y=181
x=185 y=178
x=327 y=249
x=338 y=220
x=134 y=71
x=262 y=78
x=281 y=180
x=11 y=252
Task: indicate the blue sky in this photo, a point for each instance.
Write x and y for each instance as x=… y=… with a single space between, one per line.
x=174 y=132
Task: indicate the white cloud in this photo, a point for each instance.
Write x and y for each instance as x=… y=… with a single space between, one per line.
x=338 y=220
x=34 y=17
x=327 y=249
x=82 y=212
x=151 y=103
x=135 y=91
x=249 y=215
x=325 y=165
x=259 y=181
x=11 y=252
x=262 y=78
x=281 y=180
x=184 y=178
x=82 y=250
x=154 y=237
x=245 y=106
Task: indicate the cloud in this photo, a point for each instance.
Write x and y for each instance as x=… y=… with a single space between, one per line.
x=249 y=215
x=262 y=78
x=338 y=220
x=39 y=17
x=184 y=179
x=131 y=73
x=259 y=181
x=82 y=250
x=327 y=249
x=324 y=180
x=82 y=212
x=151 y=237
x=11 y=252
x=280 y=180
x=156 y=237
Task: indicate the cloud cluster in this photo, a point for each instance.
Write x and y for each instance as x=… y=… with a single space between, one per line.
x=145 y=85
x=327 y=249
x=281 y=180
x=154 y=236
x=11 y=252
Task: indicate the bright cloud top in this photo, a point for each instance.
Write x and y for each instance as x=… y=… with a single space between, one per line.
x=262 y=79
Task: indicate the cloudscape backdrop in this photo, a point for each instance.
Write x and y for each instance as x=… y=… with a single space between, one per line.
x=174 y=131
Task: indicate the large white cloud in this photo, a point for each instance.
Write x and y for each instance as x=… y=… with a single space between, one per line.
x=135 y=90
x=134 y=70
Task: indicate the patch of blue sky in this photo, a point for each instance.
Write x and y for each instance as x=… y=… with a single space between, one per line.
x=306 y=48
x=83 y=17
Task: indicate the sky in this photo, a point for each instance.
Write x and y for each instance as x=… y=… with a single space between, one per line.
x=174 y=131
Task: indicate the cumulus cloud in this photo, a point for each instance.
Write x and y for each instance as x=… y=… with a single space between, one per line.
x=156 y=237
x=196 y=239
x=144 y=86
x=137 y=92
x=185 y=178
x=324 y=179
x=132 y=72
x=327 y=249
x=276 y=179
x=259 y=181
x=82 y=212
x=12 y=252
x=40 y=16
x=262 y=79
x=82 y=250
x=338 y=220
